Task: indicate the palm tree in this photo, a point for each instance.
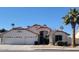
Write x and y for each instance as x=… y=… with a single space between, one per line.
x=72 y=18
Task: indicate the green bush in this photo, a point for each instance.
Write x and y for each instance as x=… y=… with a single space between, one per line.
x=36 y=42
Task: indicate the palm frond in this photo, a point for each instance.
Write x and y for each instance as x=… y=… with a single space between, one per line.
x=66 y=19
x=74 y=12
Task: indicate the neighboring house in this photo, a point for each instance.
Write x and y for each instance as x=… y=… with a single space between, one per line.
x=77 y=37
x=37 y=33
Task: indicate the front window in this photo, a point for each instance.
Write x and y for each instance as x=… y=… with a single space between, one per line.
x=58 y=38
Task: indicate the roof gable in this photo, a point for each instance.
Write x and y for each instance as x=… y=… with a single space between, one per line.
x=62 y=32
x=20 y=29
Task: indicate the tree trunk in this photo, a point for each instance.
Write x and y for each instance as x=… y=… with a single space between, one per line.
x=73 y=37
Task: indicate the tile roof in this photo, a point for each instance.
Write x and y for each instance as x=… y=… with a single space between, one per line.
x=62 y=32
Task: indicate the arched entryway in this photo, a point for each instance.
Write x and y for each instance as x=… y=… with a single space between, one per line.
x=43 y=37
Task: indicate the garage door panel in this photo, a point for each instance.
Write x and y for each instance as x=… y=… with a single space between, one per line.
x=13 y=41
x=30 y=41
x=19 y=41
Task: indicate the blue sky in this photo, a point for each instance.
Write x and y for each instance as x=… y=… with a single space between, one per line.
x=24 y=16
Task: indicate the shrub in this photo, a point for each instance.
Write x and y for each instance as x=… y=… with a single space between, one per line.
x=36 y=42
x=60 y=43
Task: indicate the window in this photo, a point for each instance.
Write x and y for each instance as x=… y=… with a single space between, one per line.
x=58 y=38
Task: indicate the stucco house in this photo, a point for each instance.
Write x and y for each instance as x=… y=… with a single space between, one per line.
x=36 y=34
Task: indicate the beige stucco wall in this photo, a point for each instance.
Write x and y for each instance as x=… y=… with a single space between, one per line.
x=51 y=37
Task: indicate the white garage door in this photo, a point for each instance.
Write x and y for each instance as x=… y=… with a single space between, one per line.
x=30 y=40
x=19 y=41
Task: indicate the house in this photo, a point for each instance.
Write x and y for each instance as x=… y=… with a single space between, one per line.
x=36 y=34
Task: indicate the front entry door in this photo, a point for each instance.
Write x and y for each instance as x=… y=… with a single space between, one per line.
x=42 y=38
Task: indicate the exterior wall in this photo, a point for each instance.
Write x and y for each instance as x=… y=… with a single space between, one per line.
x=19 y=37
x=69 y=40
x=51 y=37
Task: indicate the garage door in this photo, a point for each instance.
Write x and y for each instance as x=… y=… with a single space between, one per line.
x=30 y=41
x=19 y=41
x=13 y=41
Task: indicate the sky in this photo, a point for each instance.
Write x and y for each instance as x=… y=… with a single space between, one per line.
x=27 y=16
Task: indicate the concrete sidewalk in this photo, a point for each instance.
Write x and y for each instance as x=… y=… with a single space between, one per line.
x=37 y=48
